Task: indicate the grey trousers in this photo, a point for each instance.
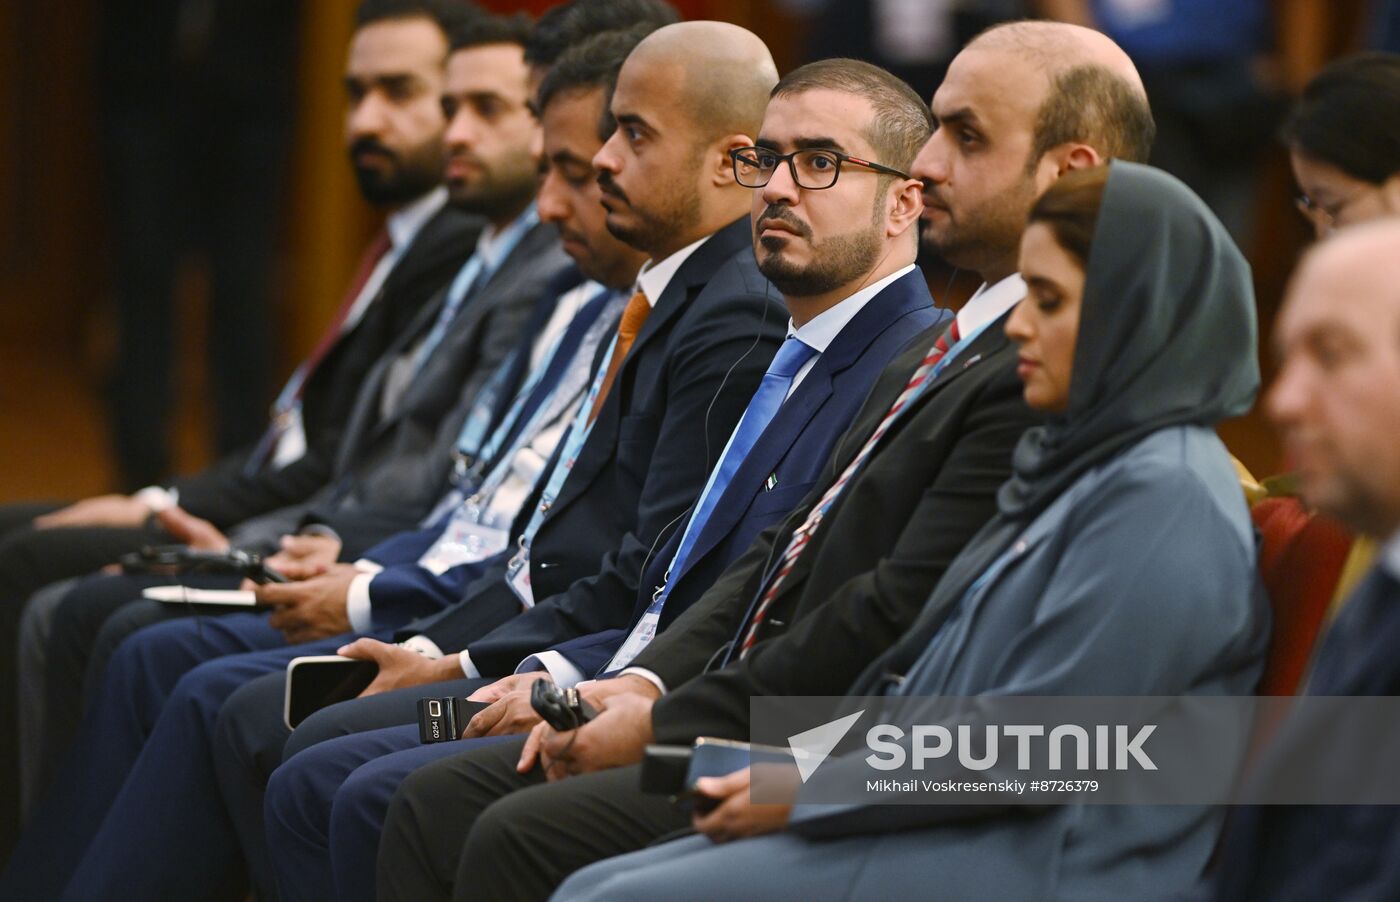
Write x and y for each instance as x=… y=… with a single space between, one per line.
x=31 y=662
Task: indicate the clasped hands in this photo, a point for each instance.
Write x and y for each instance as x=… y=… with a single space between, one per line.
x=311 y=606
x=618 y=736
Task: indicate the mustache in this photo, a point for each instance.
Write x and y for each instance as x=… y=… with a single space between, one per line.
x=931 y=198
x=776 y=213
x=371 y=145
x=465 y=155
x=605 y=182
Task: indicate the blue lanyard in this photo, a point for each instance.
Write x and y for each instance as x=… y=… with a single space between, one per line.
x=573 y=444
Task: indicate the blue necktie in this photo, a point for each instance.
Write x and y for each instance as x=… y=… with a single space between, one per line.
x=763 y=406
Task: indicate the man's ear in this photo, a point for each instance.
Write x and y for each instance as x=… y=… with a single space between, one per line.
x=1078 y=156
x=721 y=168
x=908 y=204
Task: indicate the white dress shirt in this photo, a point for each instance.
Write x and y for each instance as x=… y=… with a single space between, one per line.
x=987 y=304
x=652 y=281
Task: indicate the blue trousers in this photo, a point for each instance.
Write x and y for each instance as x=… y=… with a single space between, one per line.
x=326 y=805
x=139 y=813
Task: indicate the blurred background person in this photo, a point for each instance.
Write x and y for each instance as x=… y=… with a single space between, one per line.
x=196 y=113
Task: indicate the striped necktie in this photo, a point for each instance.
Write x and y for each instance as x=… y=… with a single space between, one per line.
x=803 y=534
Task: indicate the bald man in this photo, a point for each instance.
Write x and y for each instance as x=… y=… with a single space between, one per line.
x=874 y=547
x=1336 y=402
x=694 y=341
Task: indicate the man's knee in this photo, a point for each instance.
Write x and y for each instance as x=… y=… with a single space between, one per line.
x=250 y=727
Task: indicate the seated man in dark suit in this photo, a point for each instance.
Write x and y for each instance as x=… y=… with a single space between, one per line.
x=644 y=432
x=819 y=597
x=412 y=409
x=414 y=403
x=855 y=300
x=395 y=147
x=1337 y=403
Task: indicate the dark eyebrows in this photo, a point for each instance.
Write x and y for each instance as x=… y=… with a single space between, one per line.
x=633 y=119
x=565 y=157
x=817 y=143
x=387 y=80
x=963 y=116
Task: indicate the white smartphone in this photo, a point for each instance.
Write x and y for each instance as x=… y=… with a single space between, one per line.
x=189 y=595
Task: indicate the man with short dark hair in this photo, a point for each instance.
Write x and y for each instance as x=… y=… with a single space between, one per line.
x=393 y=135
x=411 y=410
x=841 y=249
x=819 y=597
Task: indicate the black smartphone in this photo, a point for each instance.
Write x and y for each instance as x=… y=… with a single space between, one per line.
x=315 y=681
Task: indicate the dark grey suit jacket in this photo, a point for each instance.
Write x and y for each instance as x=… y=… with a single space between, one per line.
x=390 y=470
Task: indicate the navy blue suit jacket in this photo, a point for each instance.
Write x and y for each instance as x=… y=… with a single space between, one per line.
x=677 y=397
x=793 y=449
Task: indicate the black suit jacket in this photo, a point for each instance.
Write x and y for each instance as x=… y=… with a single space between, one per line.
x=680 y=392
x=928 y=487
x=224 y=493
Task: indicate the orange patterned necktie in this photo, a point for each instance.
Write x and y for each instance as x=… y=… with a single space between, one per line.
x=633 y=318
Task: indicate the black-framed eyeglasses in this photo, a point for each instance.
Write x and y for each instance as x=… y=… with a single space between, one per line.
x=811 y=169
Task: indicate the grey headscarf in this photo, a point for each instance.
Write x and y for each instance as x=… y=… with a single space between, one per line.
x=1167 y=336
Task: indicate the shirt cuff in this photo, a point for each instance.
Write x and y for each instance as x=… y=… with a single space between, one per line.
x=424 y=646
x=560 y=668
x=358 y=606
x=157 y=498
x=320 y=529
x=647 y=675
x=468 y=668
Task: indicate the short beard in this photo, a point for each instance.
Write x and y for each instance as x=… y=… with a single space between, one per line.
x=497 y=192
x=1353 y=503
x=676 y=213
x=982 y=236
x=412 y=176
x=835 y=261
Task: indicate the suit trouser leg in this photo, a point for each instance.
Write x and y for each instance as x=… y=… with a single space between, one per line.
x=251 y=739
x=29 y=560
x=143 y=675
x=471 y=827
x=81 y=643
x=32 y=558
x=246 y=746
x=170 y=800
x=31 y=663
x=325 y=807
x=388 y=709
x=21 y=514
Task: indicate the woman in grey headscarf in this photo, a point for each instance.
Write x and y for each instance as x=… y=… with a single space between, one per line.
x=1121 y=562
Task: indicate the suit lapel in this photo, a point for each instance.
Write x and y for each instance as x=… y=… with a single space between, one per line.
x=900 y=297
x=991 y=340
x=695 y=272
x=598 y=452
x=502 y=281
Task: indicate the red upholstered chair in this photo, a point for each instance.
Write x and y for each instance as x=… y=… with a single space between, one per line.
x=1300 y=562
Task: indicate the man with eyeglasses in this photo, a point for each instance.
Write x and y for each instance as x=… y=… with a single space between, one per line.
x=814 y=600
x=842 y=255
